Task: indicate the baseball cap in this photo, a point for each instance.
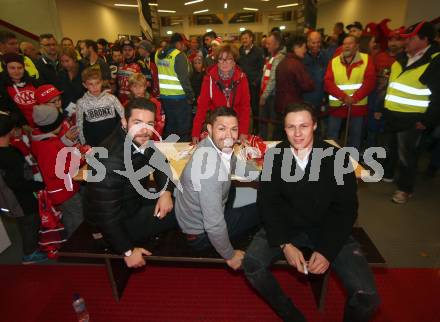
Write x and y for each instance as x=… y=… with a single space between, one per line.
x=425 y=28
x=355 y=24
x=45 y=93
x=127 y=42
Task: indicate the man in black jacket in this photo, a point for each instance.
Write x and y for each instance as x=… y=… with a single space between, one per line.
x=48 y=64
x=251 y=61
x=118 y=206
x=309 y=202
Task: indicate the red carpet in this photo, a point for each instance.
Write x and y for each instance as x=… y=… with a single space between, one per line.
x=159 y=294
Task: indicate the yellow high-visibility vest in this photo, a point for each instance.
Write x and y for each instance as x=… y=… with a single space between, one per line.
x=348 y=85
x=29 y=66
x=405 y=92
x=169 y=84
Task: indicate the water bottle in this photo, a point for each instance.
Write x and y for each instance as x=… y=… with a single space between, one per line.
x=79 y=305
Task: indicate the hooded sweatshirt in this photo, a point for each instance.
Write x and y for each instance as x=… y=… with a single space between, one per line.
x=45 y=147
x=97 y=117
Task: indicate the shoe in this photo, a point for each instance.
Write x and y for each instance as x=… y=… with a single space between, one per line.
x=401 y=197
x=35 y=257
x=387 y=180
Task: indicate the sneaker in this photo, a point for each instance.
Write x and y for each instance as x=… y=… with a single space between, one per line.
x=401 y=197
x=35 y=257
x=387 y=180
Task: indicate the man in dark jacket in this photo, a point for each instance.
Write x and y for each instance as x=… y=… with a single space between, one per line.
x=309 y=202
x=48 y=64
x=118 y=206
x=251 y=61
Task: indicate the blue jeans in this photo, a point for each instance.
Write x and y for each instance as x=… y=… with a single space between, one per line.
x=350 y=265
x=354 y=131
x=239 y=222
x=178 y=118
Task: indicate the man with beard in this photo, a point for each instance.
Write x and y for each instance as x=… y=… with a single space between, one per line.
x=117 y=209
x=349 y=79
x=48 y=64
x=201 y=209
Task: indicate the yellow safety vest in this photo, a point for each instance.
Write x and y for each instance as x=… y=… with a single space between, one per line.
x=29 y=66
x=169 y=84
x=405 y=92
x=348 y=85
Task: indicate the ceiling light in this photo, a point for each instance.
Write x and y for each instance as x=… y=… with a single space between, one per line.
x=169 y=11
x=208 y=30
x=226 y=5
x=288 y=5
x=282 y=27
x=200 y=11
x=265 y=0
x=192 y=2
x=251 y=9
x=169 y=32
x=242 y=28
x=125 y=5
x=153 y=4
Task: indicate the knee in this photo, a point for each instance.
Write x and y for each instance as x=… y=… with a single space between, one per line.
x=252 y=267
x=365 y=303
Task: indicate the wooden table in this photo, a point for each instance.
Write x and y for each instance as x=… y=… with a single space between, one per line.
x=173 y=153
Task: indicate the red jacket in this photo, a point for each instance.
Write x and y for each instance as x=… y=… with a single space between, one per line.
x=212 y=96
x=45 y=148
x=23 y=96
x=366 y=88
x=292 y=80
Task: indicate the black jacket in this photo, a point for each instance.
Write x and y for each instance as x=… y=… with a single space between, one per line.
x=73 y=89
x=398 y=121
x=322 y=209
x=49 y=72
x=252 y=64
x=13 y=168
x=113 y=200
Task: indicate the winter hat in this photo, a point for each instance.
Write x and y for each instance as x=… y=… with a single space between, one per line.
x=45 y=93
x=145 y=44
x=12 y=58
x=46 y=117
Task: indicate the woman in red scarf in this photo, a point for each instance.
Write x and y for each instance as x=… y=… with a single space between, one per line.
x=224 y=85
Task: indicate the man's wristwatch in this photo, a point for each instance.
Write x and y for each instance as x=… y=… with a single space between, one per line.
x=128 y=253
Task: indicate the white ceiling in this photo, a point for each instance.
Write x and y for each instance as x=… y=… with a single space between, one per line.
x=214 y=6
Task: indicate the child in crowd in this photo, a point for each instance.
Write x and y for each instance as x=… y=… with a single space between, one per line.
x=17 y=89
x=138 y=88
x=197 y=78
x=98 y=112
x=63 y=193
x=18 y=177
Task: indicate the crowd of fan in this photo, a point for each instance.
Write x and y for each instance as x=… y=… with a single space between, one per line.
x=65 y=95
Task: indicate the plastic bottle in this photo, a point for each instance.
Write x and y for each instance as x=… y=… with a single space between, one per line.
x=79 y=305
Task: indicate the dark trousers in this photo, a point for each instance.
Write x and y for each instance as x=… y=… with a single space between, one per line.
x=402 y=153
x=254 y=92
x=268 y=113
x=29 y=226
x=144 y=225
x=178 y=118
x=239 y=222
x=350 y=265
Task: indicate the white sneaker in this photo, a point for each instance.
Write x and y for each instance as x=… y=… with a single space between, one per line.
x=401 y=197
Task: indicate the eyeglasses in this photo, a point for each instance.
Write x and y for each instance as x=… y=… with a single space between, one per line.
x=226 y=60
